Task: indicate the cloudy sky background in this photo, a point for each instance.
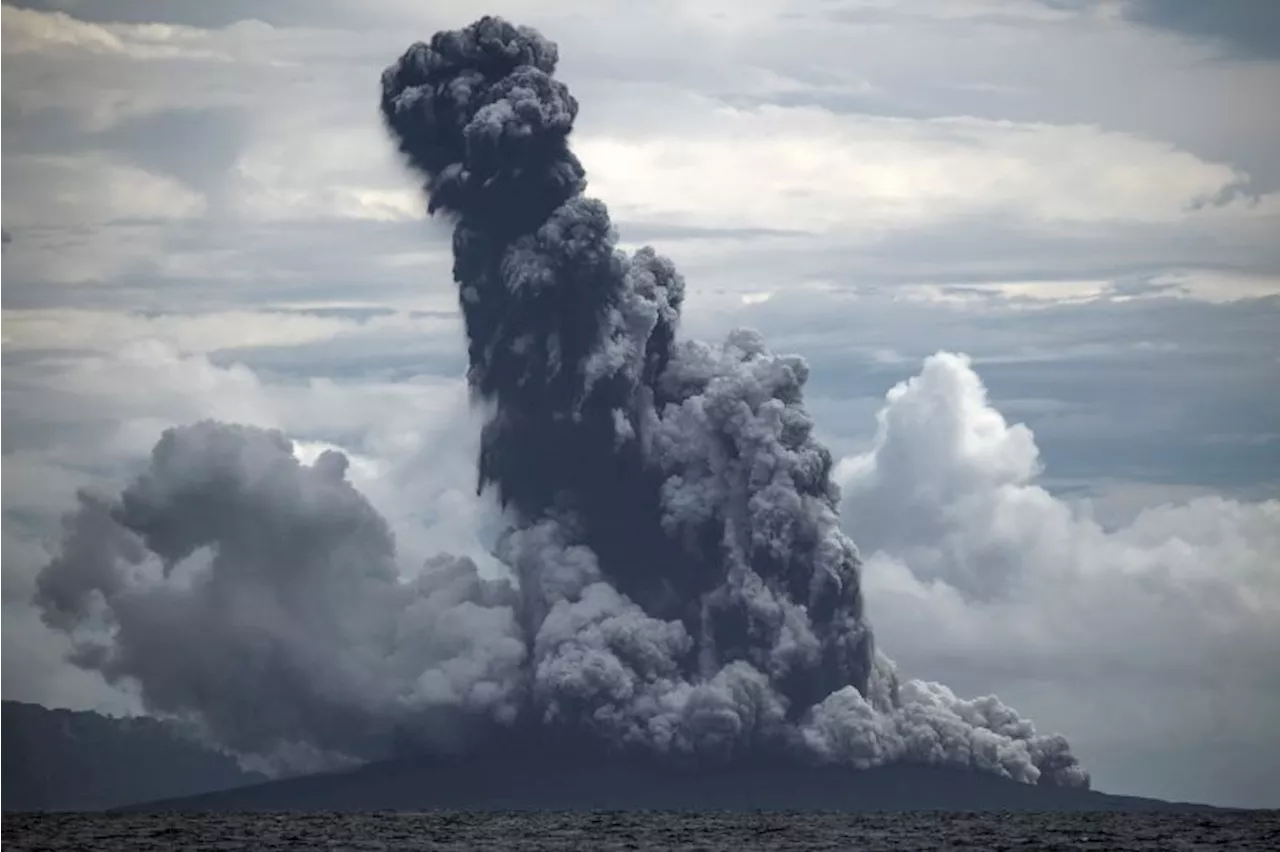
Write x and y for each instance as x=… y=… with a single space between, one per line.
x=203 y=218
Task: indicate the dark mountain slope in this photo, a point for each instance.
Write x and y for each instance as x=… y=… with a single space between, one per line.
x=516 y=782
x=70 y=760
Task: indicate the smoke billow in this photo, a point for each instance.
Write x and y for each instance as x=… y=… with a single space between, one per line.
x=259 y=594
x=679 y=582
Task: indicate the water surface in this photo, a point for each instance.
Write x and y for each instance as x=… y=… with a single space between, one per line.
x=711 y=832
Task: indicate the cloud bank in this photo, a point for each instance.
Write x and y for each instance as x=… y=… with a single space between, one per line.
x=962 y=540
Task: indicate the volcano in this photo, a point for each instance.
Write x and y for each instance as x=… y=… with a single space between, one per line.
x=530 y=778
x=674 y=616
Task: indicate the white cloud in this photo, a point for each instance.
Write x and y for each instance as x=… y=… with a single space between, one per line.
x=1210 y=285
x=30 y=31
x=105 y=74
x=971 y=565
x=113 y=331
x=810 y=168
x=1204 y=285
x=91 y=189
x=948 y=489
x=962 y=9
x=147 y=385
x=347 y=172
x=26 y=30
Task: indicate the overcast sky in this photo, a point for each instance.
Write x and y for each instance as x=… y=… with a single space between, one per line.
x=203 y=218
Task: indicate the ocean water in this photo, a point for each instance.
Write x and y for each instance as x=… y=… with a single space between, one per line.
x=604 y=832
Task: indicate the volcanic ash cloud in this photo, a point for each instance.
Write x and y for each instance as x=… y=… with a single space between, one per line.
x=679 y=582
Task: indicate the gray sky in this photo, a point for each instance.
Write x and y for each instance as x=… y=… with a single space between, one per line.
x=203 y=218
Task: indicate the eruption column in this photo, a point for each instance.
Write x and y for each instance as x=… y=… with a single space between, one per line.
x=680 y=583
x=690 y=472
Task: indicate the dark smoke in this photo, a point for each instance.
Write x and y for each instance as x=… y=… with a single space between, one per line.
x=680 y=583
x=690 y=472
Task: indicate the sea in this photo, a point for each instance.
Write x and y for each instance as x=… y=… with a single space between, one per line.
x=604 y=832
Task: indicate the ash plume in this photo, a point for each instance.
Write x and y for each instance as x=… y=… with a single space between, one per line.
x=679 y=582
x=259 y=595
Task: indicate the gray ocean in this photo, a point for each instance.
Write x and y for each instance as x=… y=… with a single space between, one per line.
x=1236 y=830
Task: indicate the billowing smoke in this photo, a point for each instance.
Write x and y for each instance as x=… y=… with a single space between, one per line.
x=679 y=581
x=235 y=584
